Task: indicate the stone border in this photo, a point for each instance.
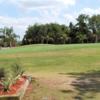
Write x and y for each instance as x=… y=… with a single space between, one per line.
x=20 y=93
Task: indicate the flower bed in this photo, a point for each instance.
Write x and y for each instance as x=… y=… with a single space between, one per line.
x=14 y=87
x=16 y=91
x=13 y=83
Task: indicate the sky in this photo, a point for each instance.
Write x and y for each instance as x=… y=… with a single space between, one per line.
x=19 y=14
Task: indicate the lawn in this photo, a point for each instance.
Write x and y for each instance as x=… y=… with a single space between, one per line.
x=61 y=71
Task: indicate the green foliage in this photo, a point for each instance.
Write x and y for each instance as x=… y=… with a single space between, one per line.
x=9 y=77
x=49 y=34
x=6 y=85
x=9 y=38
x=88 y=29
x=6 y=81
x=17 y=70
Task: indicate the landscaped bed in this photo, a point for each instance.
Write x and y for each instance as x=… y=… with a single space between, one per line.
x=16 y=91
x=14 y=87
x=14 y=84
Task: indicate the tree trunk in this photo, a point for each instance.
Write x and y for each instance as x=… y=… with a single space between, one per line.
x=96 y=39
x=10 y=44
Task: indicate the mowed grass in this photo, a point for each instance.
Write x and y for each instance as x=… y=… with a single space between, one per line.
x=62 y=71
x=53 y=58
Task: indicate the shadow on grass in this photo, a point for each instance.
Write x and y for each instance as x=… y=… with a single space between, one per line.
x=87 y=85
x=66 y=91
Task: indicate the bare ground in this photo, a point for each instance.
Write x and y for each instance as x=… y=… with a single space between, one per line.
x=61 y=86
x=49 y=83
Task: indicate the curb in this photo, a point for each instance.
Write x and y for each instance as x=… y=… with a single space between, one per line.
x=20 y=93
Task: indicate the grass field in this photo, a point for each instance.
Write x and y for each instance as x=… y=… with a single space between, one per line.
x=56 y=65
x=54 y=58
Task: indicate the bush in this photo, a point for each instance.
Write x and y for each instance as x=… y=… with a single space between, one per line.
x=9 y=78
x=6 y=85
x=5 y=80
x=17 y=70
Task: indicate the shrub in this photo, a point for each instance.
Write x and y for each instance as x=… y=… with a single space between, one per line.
x=17 y=70
x=6 y=85
x=6 y=81
x=9 y=78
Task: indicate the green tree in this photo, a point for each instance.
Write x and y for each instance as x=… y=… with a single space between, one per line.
x=94 y=24
x=48 y=33
x=9 y=37
x=83 y=27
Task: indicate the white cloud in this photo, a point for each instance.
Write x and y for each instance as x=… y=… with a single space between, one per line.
x=31 y=4
x=70 y=18
x=90 y=11
x=19 y=24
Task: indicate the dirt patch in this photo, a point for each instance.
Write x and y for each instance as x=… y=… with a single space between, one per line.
x=49 y=87
x=60 y=82
x=75 y=86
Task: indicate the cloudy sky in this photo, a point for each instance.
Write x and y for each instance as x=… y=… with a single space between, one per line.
x=22 y=13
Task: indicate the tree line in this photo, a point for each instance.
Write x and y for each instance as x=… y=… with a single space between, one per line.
x=86 y=30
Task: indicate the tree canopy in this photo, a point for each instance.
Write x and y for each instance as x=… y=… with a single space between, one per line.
x=7 y=37
x=86 y=30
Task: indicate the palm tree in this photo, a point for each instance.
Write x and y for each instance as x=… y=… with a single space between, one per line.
x=10 y=37
x=83 y=27
x=94 y=23
x=82 y=24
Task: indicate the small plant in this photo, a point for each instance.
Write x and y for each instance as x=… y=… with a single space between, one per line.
x=17 y=70
x=9 y=78
x=6 y=81
x=6 y=85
